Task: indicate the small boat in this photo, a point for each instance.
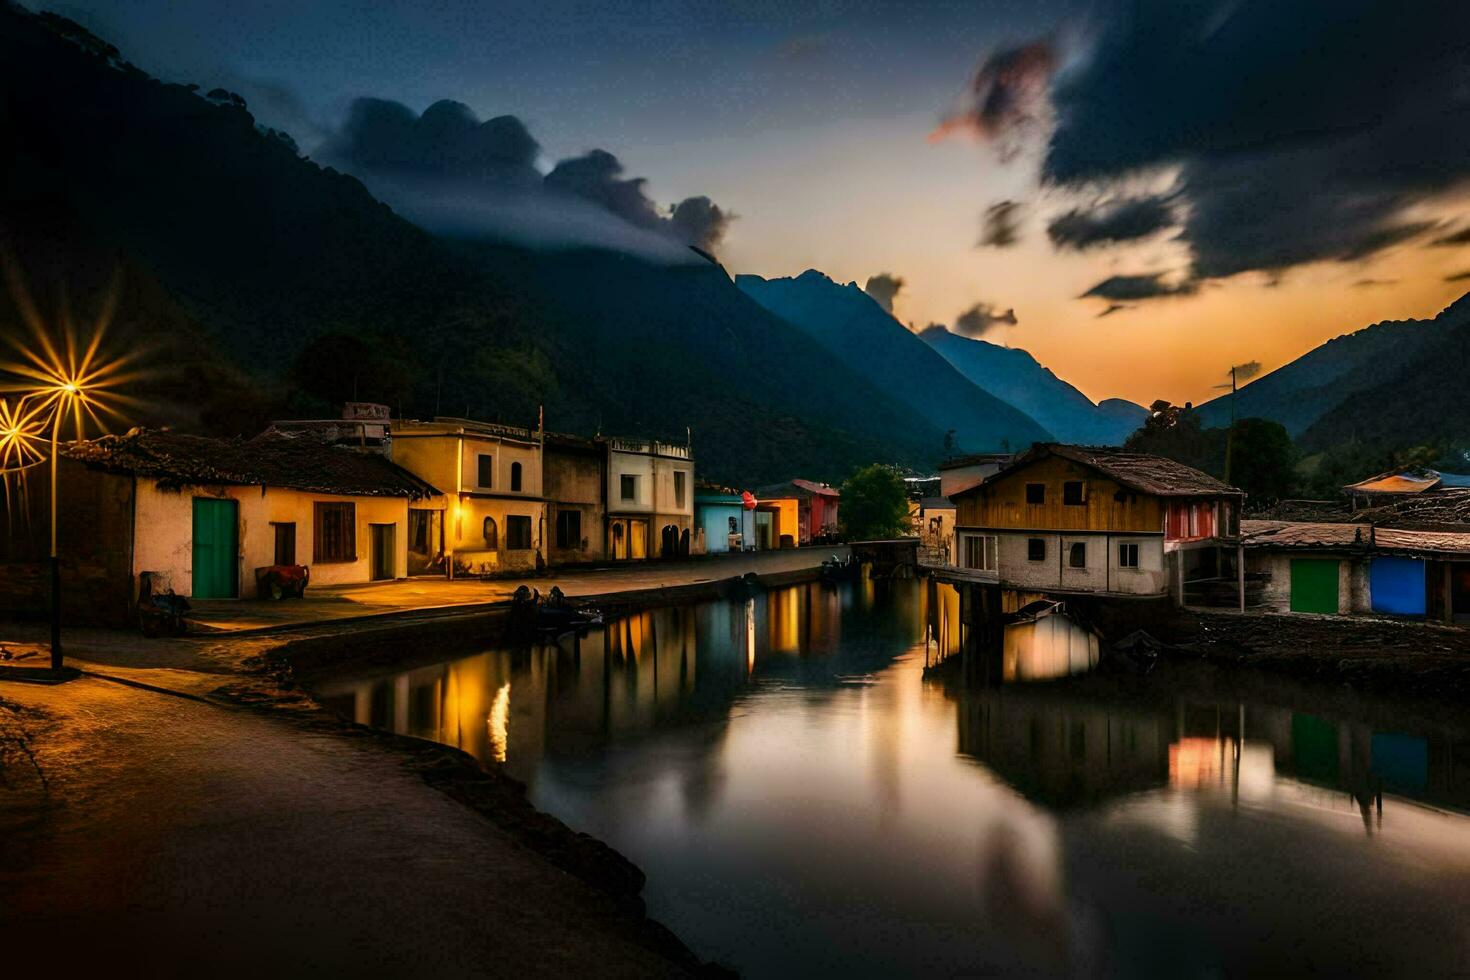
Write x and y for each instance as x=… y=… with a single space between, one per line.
x=552 y=616
x=836 y=570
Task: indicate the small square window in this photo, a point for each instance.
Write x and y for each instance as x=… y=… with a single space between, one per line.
x=1072 y=493
x=1036 y=493
x=1036 y=549
x=1127 y=556
x=628 y=486
x=1077 y=555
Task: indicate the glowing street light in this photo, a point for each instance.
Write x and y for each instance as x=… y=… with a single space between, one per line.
x=60 y=384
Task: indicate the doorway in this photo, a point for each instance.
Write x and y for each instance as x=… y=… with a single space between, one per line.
x=384 y=565
x=425 y=541
x=1314 y=585
x=216 y=549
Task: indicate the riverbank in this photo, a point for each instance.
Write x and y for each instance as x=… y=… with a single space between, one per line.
x=188 y=807
x=1374 y=655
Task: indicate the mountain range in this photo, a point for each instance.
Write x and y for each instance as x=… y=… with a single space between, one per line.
x=862 y=335
x=263 y=285
x=1014 y=375
x=1391 y=385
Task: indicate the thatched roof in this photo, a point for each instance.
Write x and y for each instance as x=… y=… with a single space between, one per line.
x=274 y=459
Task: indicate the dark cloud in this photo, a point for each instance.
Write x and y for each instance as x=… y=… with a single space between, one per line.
x=457 y=175
x=1373 y=283
x=1149 y=285
x=1007 y=94
x=1299 y=132
x=1111 y=222
x=700 y=221
x=1001 y=224
x=1461 y=237
x=1458 y=276
x=981 y=318
x=884 y=287
x=447 y=141
x=1244 y=372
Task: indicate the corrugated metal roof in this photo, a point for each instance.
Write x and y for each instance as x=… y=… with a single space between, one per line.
x=1408 y=481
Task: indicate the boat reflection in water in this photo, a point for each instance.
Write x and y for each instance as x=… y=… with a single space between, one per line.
x=805 y=801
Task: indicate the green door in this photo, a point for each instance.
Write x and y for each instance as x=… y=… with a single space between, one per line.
x=1313 y=585
x=216 y=548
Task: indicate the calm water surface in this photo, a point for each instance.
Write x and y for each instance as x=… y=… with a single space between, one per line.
x=804 y=802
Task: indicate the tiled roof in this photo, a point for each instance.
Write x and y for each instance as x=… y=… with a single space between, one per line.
x=1347 y=536
x=274 y=459
x=1142 y=472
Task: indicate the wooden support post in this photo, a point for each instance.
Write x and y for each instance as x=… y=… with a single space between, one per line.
x=1240 y=572
x=1449 y=595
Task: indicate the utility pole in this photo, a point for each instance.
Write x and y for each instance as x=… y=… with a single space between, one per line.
x=1230 y=433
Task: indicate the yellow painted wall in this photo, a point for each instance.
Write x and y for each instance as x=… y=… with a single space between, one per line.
x=1001 y=502
x=164 y=532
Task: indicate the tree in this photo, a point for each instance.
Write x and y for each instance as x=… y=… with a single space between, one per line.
x=875 y=504
x=1264 y=461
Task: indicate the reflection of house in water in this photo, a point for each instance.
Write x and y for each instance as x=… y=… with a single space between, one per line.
x=1060 y=749
x=1063 y=751
x=1042 y=642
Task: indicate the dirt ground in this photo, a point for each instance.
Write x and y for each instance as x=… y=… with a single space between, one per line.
x=178 y=812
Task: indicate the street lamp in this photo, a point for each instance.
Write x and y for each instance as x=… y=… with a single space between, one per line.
x=61 y=385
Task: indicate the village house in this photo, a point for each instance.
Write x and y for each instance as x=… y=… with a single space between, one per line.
x=959 y=473
x=1353 y=567
x=724 y=520
x=1098 y=521
x=574 y=474
x=203 y=515
x=796 y=513
x=650 y=499
x=492 y=516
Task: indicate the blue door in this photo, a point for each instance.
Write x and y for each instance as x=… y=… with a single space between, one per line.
x=1398 y=586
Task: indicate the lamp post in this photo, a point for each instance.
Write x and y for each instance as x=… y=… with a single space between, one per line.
x=55 y=559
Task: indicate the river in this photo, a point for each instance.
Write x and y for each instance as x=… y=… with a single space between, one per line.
x=805 y=802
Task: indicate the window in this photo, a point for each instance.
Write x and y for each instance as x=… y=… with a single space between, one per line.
x=485 y=471
x=1036 y=493
x=1072 y=494
x=1127 y=556
x=518 y=533
x=980 y=552
x=336 y=532
x=515 y=477
x=491 y=533
x=285 y=543
x=629 y=486
x=679 y=488
x=1077 y=555
x=1036 y=549
x=569 y=529
x=734 y=525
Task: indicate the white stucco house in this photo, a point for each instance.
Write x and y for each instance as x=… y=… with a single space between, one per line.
x=204 y=514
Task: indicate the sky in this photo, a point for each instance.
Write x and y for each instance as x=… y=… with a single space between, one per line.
x=1232 y=181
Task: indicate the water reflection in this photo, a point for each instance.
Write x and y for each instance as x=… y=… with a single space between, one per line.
x=804 y=801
